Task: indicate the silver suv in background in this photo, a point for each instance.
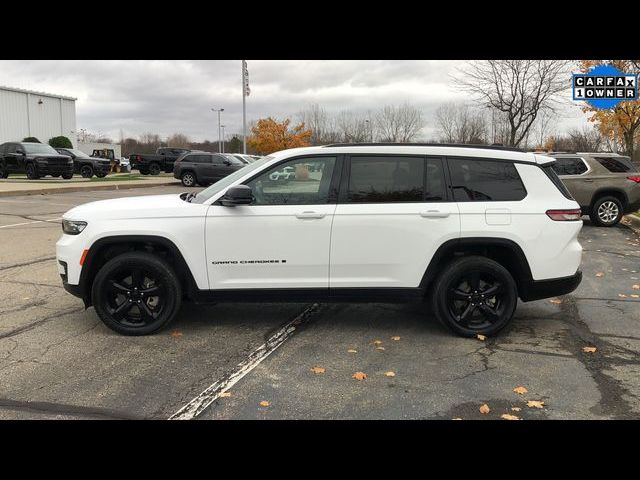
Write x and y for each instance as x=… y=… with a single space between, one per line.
x=606 y=185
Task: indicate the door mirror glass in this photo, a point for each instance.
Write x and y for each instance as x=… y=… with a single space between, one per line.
x=238 y=195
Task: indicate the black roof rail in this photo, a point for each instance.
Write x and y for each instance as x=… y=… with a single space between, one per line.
x=391 y=144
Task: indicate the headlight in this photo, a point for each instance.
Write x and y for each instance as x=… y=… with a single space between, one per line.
x=73 y=227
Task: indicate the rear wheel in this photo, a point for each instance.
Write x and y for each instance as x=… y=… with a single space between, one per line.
x=154 y=169
x=606 y=212
x=188 y=179
x=475 y=295
x=144 y=171
x=101 y=174
x=136 y=293
x=67 y=176
x=86 y=171
x=32 y=172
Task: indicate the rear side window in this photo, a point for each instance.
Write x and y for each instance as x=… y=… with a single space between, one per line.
x=551 y=173
x=478 y=180
x=616 y=164
x=386 y=179
x=569 y=166
x=197 y=159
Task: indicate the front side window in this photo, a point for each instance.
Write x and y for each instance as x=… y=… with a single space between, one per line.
x=302 y=181
x=386 y=179
x=479 y=180
x=616 y=164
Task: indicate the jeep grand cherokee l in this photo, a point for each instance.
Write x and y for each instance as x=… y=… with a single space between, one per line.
x=35 y=159
x=85 y=165
x=605 y=185
x=468 y=229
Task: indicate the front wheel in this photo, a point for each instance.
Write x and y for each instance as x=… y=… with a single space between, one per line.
x=3 y=171
x=606 y=212
x=86 y=171
x=32 y=172
x=475 y=295
x=136 y=293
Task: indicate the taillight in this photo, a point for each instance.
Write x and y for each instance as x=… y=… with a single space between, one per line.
x=634 y=178
x=564 y=215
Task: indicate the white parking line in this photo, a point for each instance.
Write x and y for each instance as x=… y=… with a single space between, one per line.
x=31 y=223
x=196 y=406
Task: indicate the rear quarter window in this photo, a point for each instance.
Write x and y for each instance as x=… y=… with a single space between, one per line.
x=484 y=180
x=616 y=164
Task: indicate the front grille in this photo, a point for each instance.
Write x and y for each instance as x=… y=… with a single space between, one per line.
x=54 y=161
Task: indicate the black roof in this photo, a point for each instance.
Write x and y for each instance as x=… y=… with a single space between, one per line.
x=391 y=144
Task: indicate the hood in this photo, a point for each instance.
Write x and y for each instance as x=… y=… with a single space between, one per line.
x=48 y=155
x=152 y=206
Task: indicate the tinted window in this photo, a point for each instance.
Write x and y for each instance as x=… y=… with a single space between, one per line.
x=198 y=158
x=616 y=164
x=386 y=179
x=551 y=173
x=569 y=166
x=485 y=180
x=303 y=181
x=217 y=159
x=435 y=181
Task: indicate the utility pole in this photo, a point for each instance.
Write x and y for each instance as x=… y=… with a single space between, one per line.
x=219 y=110
x=222 y=138
x=245 y=93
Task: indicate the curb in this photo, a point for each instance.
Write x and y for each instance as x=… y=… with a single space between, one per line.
x=114 y=186
x=632 y=222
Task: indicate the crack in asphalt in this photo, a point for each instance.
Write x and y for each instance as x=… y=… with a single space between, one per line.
x=26 y=264
x=26 y=328
x=66 y=409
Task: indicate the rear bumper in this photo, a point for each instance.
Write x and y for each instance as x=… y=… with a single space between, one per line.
x=539 y=289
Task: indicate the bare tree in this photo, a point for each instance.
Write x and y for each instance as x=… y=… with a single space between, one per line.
x=520 y=89
x=323 y=126
x=458 y=123
x=178 y=140
x=542 y=128
x=589 y=139
x=398 y=124
x=352 y=127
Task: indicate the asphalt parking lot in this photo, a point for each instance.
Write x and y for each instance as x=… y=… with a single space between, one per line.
x=59 y=361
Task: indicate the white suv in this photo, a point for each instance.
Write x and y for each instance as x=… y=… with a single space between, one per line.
x=470 y=229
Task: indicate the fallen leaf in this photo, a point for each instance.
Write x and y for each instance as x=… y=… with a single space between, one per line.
x=589 y=349
x=457 y=418
x=359 y=375
x=389 y=374
x=176 y=333
x=26 y=298
x=351 y=350
x=557 y=301
x=380 y=348
x=507 y=416
x=264 y=403
x=317 y=370
x=225 y=394
x=516 y=409
x=482 y=338
x=520 y=390
x=484 y=409
x=622 y=295
x=600 y=274
x=377 y=342
x=636 y=287
x=535 y=404
x=633 y=295
x=395 y=339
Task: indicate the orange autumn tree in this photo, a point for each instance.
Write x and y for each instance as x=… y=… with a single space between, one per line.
x=621 y=123
x=269 y=135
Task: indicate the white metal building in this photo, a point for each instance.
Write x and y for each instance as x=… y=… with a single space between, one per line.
x=25 y=113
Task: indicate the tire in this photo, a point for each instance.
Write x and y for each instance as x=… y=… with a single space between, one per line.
x=101 y=174
x=144 y=172
x=67 y=176
x=457 y=305
x=86 y=171
x=188 y=179
x=32 y=172
x=606 y=212
x=3 y=171
x=118 y=285
x=55 y=176
x=154 y=169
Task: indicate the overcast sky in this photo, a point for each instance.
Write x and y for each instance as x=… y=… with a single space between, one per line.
x=173 y=96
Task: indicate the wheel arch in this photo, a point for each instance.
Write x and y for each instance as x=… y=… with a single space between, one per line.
x=104 y=249
x=609 y=192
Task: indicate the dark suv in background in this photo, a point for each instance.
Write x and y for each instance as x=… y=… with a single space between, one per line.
x=35 y=159
x=606 y=185
x=202 y=168
x=85 y=165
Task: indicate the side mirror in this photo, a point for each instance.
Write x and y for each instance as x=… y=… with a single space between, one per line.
x=20 y=151
x=227 y=162
x=238 y=195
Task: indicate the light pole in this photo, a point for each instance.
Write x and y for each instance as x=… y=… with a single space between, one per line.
x=218 y=110
x=222 y=138
x=370 y=128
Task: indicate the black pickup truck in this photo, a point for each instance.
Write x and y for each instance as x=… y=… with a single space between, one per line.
x=162 y=161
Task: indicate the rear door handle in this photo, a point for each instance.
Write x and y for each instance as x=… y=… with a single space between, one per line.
x=310 y=214
x=590 y=180
x=434 y=214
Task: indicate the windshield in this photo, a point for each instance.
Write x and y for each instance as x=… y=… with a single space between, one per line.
x=78 y=153
x=39 y=148
x=220 y=185
x=233 y=159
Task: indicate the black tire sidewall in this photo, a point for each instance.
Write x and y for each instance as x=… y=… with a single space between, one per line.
x=67 y=176
x=593 y=215
x=154 y=169
x=150 y=262
x=3 y=171
x=86 y=173
x=32 y=171
x=458 y=267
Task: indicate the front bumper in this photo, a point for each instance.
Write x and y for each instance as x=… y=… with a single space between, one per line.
x=46 y=169
x=539 y=289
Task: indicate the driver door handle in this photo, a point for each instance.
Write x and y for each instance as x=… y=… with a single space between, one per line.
x=434 y=214
x=310 y=214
